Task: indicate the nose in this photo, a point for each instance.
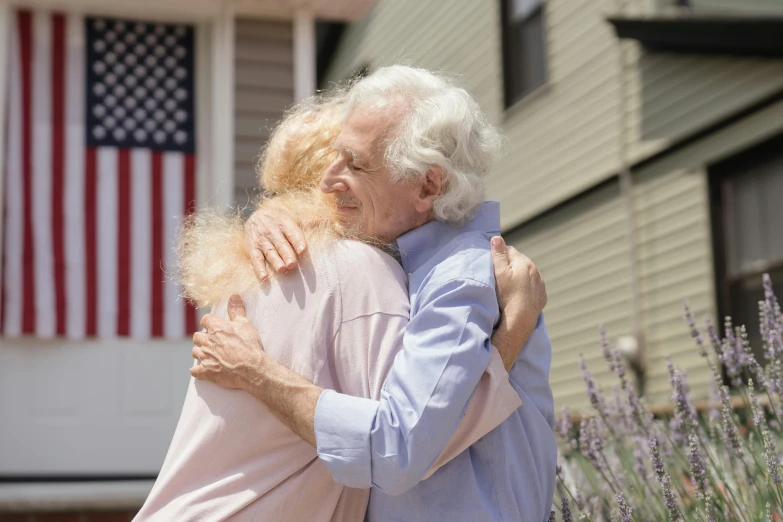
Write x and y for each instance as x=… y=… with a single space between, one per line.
x=332 y=180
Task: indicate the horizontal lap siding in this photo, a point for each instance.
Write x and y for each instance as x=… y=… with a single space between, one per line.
x=460 y=38
x=582 y=251
x=675 y=265
x=672 y=96
x=264 y=89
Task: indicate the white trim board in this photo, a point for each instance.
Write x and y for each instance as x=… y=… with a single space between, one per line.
x=71 y=496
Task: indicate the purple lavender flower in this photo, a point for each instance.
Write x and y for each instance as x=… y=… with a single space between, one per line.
x=755 y=369
x=552 y=517
x=591 y=443
x=771 y=456
x=689 y=319
x=663 y=479
x=698 y=471
x=730 y=431
x=712 y=333
x=732 y=354
x=595 y=396
x=685 y=416
x=565 y=428
x=605 y=347
x=626 y=511
x=566 y=510
x=639 y=458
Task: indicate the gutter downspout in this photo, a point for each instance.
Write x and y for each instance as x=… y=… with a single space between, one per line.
x=637 y=361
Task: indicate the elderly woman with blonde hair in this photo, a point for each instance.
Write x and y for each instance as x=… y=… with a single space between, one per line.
x=338 y=321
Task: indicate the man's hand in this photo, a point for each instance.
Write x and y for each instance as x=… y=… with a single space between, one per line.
x=230 y=355
x=521 y=296
x=227 y=349
x=272 y=236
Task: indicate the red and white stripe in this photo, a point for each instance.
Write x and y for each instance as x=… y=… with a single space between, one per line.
x=90 y=232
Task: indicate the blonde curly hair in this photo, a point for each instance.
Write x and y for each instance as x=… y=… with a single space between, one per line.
x=212 y=261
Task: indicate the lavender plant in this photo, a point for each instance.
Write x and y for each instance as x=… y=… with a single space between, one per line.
x=620 y=463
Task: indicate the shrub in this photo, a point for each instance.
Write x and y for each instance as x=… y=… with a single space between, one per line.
x=622 y=463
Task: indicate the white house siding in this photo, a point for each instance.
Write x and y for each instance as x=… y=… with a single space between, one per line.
x=264 y=89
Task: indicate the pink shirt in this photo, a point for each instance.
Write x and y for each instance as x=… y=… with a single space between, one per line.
x=338 y=322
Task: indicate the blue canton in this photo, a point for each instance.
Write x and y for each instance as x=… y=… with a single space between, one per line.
x=140 y=85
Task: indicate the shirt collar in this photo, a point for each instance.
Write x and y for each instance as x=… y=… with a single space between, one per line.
x=420 y=244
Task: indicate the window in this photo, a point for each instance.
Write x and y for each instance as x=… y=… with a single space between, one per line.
x=748 y=223
x=524 y=48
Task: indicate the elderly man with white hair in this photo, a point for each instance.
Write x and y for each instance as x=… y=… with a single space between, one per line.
x=413 y=150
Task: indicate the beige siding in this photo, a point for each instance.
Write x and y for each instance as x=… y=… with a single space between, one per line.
x=264 y=88
x=460 y=37
x=582 y=251
x=675 y=265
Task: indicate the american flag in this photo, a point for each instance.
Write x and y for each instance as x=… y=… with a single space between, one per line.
x=100 y=168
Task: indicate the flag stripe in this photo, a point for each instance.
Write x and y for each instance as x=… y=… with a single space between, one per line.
x=90 y=239
x=141 y=243
x=173 y=187
x=191 y=314
x=156 y=280
x=28 y=295
x=13 y=250
x=42 y=174
x=74 y=211
x=58 y=166
x=107 y=241
x=123 y=242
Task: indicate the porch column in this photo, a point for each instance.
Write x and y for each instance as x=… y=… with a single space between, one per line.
x=304 y=54
x=222 y=106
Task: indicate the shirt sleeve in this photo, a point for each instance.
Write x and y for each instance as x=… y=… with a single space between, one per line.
x=391 y=443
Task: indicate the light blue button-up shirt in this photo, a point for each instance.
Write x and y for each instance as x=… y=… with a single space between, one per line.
x=509 y=474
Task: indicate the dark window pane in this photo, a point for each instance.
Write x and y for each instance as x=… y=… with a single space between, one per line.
x=525 y=60
x=753 y=197
x=752 y=228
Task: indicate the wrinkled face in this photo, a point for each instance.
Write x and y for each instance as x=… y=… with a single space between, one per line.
x=361 y=184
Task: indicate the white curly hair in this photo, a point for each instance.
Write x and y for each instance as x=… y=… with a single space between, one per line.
x=442 y=125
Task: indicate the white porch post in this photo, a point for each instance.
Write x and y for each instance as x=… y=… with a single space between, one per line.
x=222 y=107
x=304 y=54
x=6 y=19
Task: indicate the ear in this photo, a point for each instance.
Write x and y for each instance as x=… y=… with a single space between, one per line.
x=433 y=186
